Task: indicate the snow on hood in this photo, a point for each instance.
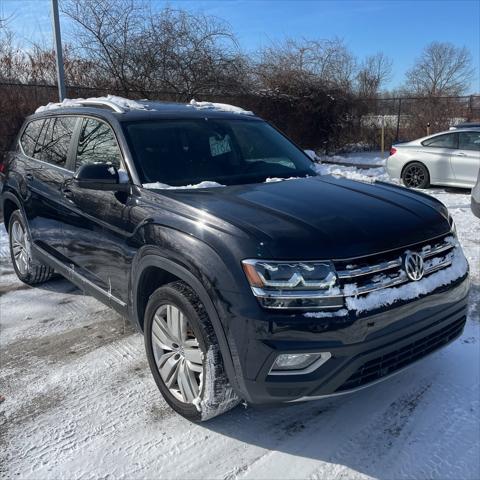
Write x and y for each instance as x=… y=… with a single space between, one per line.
x=164 y=186
x=76 y=102
x=223 y=107
x=280 y=179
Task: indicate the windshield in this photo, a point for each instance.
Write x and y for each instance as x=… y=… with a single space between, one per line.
x=229 y=152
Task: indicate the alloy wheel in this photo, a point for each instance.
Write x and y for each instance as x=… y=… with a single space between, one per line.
x=20 y=247
x=414 y=176
x=177 y=353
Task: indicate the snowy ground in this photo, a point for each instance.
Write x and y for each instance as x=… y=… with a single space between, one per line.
x=80 y=401
x=358 y=158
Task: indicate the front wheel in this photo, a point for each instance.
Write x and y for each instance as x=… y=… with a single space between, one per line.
x=184 y=355
x=28 y=269
x=415 y=175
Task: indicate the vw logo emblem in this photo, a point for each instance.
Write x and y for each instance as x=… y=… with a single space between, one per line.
x=413 y=265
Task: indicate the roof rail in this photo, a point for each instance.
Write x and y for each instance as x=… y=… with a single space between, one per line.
x=102 y=103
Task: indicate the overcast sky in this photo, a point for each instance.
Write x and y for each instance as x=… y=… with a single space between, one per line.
x=398 y=28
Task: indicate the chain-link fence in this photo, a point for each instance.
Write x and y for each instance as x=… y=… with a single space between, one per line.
x=324 y=121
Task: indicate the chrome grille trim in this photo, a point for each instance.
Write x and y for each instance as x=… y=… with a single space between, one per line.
x=354 y=281
x=437 y=257
x=380 y=267
x=432 y=252
x=440 y=266
x=371 y=287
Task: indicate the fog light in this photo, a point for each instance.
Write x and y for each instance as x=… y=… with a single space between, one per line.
x=298 y=363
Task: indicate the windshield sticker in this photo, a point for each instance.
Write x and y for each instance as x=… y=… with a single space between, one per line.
x=219 y=145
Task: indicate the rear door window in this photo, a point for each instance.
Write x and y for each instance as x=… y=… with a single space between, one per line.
x=97 y=143
x=30 y=136
x=54 y=140
x=469 y=141
x=449 y=140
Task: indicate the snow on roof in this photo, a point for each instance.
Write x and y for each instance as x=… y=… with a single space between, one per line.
x=224 y=107
x=119 y=104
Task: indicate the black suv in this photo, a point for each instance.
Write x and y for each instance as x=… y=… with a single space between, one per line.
x=270 y=283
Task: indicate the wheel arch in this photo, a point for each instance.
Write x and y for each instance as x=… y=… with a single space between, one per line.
x=152 y=265
x=10 y=203
x=415 y=161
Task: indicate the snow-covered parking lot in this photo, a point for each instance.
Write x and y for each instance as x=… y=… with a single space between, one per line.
x=78 y=401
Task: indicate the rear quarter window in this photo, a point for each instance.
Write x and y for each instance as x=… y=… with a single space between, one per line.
x=449 y=140
x=30 y=136
x=55 y=139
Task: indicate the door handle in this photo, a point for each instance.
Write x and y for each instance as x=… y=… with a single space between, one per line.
x=67 y=193
x=29 y=176
x=460 y=154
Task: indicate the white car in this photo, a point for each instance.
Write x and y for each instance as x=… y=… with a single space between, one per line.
x=449 y=158
x=476 y=197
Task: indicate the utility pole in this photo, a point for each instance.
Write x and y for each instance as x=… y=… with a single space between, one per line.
x=58 y=50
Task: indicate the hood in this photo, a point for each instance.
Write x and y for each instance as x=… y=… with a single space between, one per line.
x=323 y=217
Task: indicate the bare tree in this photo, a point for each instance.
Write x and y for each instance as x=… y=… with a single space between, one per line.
x=374 y=72
x=443 y=69
x=142 y=50
x=105 y=33
x=294 y=65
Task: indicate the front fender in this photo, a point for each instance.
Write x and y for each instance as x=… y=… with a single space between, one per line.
x=198 y=265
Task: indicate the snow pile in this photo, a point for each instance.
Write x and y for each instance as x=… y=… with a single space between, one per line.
x=164 y=186
x=369 y=175
x=411 y=290
x=223 y=107
x=375 y=159
x=121 y=102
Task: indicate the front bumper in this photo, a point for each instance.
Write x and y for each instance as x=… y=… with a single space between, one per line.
x=364 y=349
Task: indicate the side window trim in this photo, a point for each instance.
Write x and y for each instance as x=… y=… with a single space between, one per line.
x=72 y=149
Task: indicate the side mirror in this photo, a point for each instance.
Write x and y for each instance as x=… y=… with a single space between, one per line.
x=99 y=176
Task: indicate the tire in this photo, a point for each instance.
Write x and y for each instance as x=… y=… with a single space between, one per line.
x=193 y=348
x=415 y=175
x=28 y=269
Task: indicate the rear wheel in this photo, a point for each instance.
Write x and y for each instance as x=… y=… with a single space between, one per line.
x=28 y=269
x=184 y=355
x=415 y=175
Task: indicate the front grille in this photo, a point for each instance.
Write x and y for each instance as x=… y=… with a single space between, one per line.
x=362 y=276
x=400 y=358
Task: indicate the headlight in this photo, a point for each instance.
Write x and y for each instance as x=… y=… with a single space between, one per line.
x=293 y=285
